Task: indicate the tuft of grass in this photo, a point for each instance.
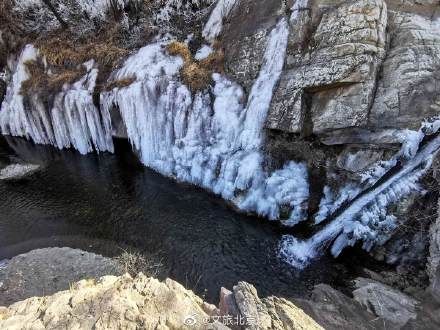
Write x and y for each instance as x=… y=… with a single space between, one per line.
x=181 y=49
x=121 y=83
x=197 y=75
x=134 y=262
x=41 y=82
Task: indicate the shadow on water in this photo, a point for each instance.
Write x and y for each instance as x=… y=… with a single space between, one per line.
x=102 y=202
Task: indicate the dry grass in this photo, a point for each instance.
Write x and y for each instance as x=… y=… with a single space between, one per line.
x=41 y=82
x=59 y=51
x=181 y=49
x=121 y=83
x=134 y=263
x=197 y=75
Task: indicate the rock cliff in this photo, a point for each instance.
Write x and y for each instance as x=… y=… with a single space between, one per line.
x=305 y=110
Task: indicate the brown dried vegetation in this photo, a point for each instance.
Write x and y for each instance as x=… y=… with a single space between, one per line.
x=197 y=75
x=121 y=83
x=41 y=82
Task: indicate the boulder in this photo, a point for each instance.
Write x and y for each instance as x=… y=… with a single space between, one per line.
x=146 y=303
x=46 y=271
x=334 y=310
x=385 y=302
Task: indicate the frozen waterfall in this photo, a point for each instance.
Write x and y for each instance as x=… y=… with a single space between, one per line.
x=211 y=141
x=366 y=218
x=72 y=120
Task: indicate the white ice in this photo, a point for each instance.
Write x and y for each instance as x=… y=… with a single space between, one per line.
x=213 y=142
x=214 y=26
x=366 y=218
x=72 y=121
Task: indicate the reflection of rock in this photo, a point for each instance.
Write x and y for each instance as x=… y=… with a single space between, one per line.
x=46 y=271
x=17 y=172
x=127 y=303
x=385 y=302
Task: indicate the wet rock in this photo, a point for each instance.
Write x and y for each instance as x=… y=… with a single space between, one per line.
x=46 y=271
x=385 y=302
x=16 y=172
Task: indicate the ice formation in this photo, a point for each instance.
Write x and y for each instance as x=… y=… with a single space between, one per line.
x=203 y=52
x=213 y=142
x=366 y=218
x=72 y=121
x=214 y=26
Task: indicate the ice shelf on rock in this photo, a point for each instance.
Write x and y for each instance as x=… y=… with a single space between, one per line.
x=203 y=52
x=213 y=142
x=214 y=26
x=72 y=121
x=366 y=218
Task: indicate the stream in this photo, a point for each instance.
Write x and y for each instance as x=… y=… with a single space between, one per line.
x=105 y=203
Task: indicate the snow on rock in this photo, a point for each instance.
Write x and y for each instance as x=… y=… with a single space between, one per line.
x=17 y=172
x=203 y=52
x=213 y=142
x=214 y=26
x=72 y=121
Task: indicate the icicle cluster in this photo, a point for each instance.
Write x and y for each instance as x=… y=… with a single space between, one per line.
x=366 y=218
x=72 y=121
x=213 y=142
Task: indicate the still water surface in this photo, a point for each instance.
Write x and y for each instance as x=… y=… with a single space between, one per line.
x=103 y=203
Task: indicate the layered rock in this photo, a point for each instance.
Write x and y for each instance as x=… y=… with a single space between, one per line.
x=329 y=78
x=124 y=302
x=385 y=302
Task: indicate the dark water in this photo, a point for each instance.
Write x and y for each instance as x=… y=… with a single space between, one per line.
x=101 y=203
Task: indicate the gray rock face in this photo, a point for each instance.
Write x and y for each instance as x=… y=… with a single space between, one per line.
x=345 y=70
x=334 y=310
x=408 y=90
x=434 y=260
x=385 y=302
x=46 y=271
x=245 y=35
x=329 y=83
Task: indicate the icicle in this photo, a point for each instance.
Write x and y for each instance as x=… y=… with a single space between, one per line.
x=365 y=219
x=211 y=142
x=73 y=121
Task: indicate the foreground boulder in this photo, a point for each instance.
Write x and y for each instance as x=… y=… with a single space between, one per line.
x=146 y=303
x=46 y=271
x=385 y=302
